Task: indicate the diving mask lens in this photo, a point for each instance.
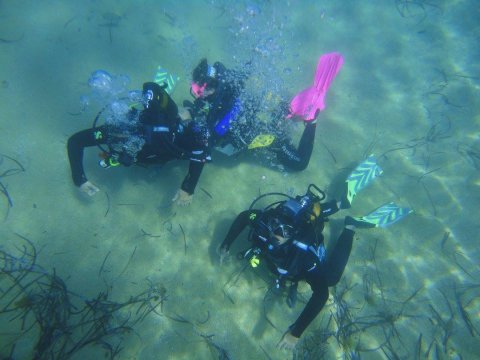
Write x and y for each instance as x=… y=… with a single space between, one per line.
x=284 y=231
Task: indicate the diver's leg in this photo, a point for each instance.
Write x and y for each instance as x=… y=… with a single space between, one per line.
x=305 y=146
x=298 y=159
x=338 y=258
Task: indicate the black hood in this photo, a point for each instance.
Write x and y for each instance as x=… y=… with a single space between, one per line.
x=160 y=109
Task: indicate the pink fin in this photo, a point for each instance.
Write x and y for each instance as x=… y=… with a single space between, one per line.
x=310 y=101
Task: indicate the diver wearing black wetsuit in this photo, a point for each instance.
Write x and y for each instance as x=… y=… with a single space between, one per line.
x=219 y=99
x=289 y=238
x=158 y=134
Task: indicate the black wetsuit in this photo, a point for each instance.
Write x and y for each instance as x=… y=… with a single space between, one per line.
x=301 y=259
x=164 y=139
x=223 y=102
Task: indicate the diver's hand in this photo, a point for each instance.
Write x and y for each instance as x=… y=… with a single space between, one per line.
x=182 y=198
x=184 y=114
x=89 y=189
x=288 y=341
x=224 y=253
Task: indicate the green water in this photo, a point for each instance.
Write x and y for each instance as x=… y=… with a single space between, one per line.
x=408 y=92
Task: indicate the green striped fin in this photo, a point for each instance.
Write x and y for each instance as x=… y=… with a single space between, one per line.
x=386 y=215
x=362 y=176
x=164 y=77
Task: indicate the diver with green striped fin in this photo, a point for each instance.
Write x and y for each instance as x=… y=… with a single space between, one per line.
x=287 y=236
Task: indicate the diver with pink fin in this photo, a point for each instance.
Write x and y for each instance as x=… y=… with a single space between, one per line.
x=230 y=114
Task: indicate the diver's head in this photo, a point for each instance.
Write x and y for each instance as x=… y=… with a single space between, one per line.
x=204 y=80
x=281 y=230
x=159 y=107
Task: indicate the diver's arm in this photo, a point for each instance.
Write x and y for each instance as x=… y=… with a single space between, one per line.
x=241 y=222
x=184 y=196
x=192 y=143
x=198 y=108
x=314 y=306
x=191 y=179
x=76 y=144
x=196 y=142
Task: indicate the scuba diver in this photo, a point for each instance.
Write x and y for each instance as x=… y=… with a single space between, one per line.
x=151 y=135
x=231 y=115
x=287 y=235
